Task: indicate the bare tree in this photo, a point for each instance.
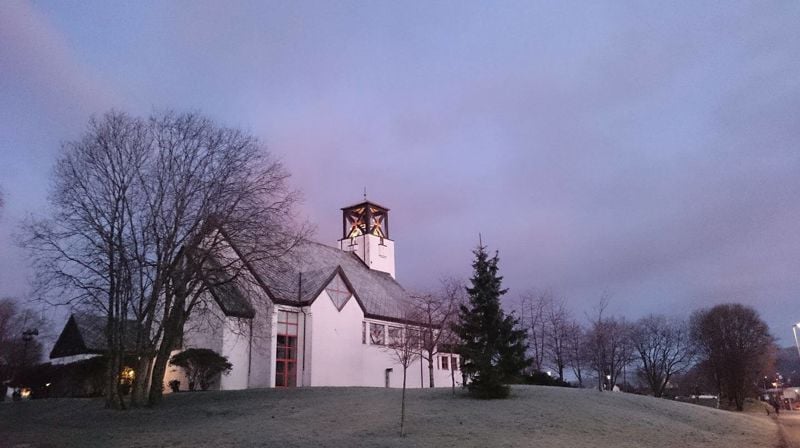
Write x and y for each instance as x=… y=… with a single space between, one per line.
x=436 y=312
x=577 y=356
x=81 y=252
x=609 y=347
x=557 y=322
x=146 y=215
x=533 y=318
x=213 y=189
x=736 y=346
x=664 y=348
x=406 y=347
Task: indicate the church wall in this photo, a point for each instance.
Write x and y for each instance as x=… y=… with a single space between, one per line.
x=236 y=347
x=335 y=357
x=263 y=348
x=378 y=358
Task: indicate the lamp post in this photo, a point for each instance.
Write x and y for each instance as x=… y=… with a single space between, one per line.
x=27 y=336
x=794 y=332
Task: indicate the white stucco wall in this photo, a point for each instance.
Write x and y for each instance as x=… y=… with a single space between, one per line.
x=376 y=254
x=236 y=347
x=337 y=357
x=262 y=350
x=334 y=342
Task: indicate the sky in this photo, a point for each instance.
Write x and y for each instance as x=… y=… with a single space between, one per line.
x=649 y=151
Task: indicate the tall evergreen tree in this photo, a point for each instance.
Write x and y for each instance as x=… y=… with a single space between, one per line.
x=492 y=346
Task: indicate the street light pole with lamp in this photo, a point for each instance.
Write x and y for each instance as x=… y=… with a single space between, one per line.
x=794 y=332
x=27 y=337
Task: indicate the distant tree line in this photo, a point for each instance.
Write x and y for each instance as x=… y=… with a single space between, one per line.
x=727 y=347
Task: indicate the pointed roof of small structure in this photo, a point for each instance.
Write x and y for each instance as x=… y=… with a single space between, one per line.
x=85 y=334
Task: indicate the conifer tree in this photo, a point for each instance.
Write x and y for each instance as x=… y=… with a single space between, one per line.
x=492 y=346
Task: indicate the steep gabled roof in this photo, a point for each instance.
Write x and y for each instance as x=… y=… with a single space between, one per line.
x=227 y=291
x=85 y=334
x=300 y=278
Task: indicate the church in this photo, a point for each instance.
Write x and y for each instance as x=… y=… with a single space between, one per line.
x=329 y=317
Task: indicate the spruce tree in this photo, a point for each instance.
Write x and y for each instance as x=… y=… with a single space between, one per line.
x=492 y=346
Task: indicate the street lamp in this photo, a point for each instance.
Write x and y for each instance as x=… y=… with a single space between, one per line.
x=27 y=336
x=796 y=342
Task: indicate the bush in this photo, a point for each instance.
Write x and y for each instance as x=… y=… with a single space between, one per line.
x=543 y=379
x=201 y=365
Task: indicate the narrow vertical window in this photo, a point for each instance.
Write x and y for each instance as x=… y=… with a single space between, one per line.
x=363 y=332
x=454 y=362
x=286 y=350
x=445 y=364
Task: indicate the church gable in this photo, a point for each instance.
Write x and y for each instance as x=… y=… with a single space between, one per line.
x=338 y=291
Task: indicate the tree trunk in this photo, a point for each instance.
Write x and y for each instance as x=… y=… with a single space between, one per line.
x=403 y=405
x=113 y=398
x=430 y=370
x=141 y=380
x=172 y=330
x=453 y=379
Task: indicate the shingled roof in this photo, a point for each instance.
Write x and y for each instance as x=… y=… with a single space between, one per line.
x=227 y=292
x=304 y=274
x=85 y=334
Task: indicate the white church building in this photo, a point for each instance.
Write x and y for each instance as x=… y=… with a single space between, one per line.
x=330 y=318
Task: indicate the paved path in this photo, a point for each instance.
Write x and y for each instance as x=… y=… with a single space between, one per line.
x=789 y=422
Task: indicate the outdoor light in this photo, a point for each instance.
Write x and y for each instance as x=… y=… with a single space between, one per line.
x=796 y=341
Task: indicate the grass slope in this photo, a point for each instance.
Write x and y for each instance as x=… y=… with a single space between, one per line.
x=363 y=417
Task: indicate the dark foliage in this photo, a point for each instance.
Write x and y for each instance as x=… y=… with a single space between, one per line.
x=492 y=346
x=736 y=349
x=78 y=379
x=202 y=366
x=543 y=379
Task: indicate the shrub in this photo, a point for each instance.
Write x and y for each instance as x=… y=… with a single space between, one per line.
x=202 y=365
x=543 y=379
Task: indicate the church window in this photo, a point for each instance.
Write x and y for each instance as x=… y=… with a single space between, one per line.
x=414 y=337
x=395 y=336
x=445 y=363
x=338 y=292
x=376 y=334
x=286 y=350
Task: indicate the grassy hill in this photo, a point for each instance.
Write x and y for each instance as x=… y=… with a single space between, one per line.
x=363 y=417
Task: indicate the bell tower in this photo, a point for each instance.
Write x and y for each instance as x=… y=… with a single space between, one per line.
x=365 y=232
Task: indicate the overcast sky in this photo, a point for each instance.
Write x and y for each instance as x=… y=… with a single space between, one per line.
x=650 y=150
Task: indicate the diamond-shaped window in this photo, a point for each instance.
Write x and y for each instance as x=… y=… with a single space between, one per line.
x=338 y=292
